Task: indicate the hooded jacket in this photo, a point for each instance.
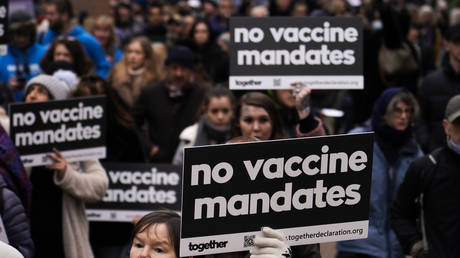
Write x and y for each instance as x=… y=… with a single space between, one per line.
x=15 y=58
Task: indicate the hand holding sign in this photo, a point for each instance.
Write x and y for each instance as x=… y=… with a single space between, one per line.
x=302 y=99
x=59 y=163
x=270 y=245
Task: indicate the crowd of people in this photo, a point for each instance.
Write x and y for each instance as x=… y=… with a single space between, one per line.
x=163 y=66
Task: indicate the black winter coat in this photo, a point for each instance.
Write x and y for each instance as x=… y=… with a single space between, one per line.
x=16 y=222
x=166 y=117
x=434 y=93
x=441 y=206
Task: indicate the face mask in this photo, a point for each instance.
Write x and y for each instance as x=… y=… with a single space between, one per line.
x=453 y=146
x=377 y=25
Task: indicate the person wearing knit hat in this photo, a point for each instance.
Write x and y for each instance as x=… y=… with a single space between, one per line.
x=170 y=105
x=61 y=188
x=181 y=55
x=394 y=149
x=45 y=87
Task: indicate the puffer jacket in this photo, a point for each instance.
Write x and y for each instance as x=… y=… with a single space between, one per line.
x=16 y=222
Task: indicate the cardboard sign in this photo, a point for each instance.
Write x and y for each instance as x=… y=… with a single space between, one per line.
x=137 y=189
x=272 y=53
x=76 y=127
x=312 y=189
x=3 y=27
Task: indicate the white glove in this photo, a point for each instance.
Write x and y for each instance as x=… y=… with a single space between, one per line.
x=270 y=245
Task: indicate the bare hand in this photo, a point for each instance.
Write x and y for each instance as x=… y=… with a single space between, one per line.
x=15 y=84
x=302 y=99
x=154 y=151
x=59 y=163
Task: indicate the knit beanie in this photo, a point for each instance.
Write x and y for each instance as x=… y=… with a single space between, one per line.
x=69 y=77
x=381 y=105
x=57 y=88
x=181 y=55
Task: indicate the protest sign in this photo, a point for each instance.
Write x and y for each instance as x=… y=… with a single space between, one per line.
x=3 y=27
x=272 y=53
x=136 y=189
x=312 y=189
x=76 y=127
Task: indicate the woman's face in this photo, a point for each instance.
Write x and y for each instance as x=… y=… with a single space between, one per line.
x=255 y=121
x=135 y=56
x=61 y=53
x=153 y=242
x=219 y=111
x=37 y=93
x=400 y=119
x=102 y=35
x=201 y=34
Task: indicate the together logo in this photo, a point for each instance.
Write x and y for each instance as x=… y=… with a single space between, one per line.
x=248 y=83
x=213 y=244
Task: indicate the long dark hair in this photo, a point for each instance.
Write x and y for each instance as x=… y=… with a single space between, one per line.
x=211 y=34
x=82 y=63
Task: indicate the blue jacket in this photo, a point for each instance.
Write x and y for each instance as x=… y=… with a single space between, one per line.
x=8 y=64
x=90 y=44
x=117 y=57
x=382 y=241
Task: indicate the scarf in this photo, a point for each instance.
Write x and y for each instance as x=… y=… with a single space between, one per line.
x=209 y=134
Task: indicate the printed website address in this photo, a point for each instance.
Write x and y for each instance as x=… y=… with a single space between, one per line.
x=326 y=233
x=313 y=83
x=86 y=154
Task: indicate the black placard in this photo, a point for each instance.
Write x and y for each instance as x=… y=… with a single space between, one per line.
x=3 y=26
x=325 y=181
x=76 y=127
x=136 y=189
x=271 y=53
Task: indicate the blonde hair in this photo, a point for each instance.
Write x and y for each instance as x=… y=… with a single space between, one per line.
x=106 y=22
x=151 y=74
